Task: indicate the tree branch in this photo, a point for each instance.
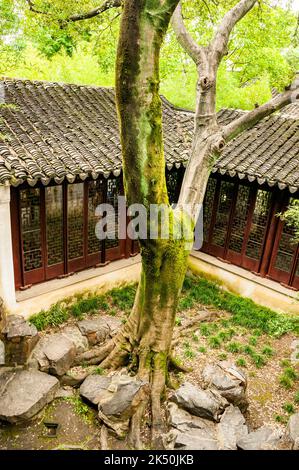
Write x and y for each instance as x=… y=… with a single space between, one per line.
x=107 y=5
x=220 y=42
x=251 y=118
x=184 y=38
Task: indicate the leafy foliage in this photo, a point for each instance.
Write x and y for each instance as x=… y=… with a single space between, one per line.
x=262 y=51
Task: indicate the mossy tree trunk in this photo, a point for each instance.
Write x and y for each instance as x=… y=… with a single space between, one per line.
x=146 y=337
x=145 y=340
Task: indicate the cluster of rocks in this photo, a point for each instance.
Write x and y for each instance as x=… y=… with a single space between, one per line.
x=116 y=397
x=34 y=367
x=207 y=418
x=210 y=418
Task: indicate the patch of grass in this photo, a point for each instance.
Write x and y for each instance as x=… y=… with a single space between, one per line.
x=123 y=298
x=296 y=397
x=178 y=321
x=288 y=377
x=202 y=349
x=258 y=360
x=248 y=350
x=214 y=342
x=285 y=363
x=291 y=373
x=56 y=315
x=81 y=408
x=241 y=362
x=189 y=354
x=99 y=371
x=205 y=329
x=222 y=357
x=253 y=341
x=244 y=311
x=234 y=347
x=268 y=351
x=289 y=408
x=280 y=419
x=60 y=312
x=226 y=335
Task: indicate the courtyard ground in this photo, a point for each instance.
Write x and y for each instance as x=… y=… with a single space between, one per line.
x=211 y=325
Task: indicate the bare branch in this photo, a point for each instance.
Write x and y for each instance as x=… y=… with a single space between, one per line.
x=107 y=5
x=220 y=42
x=184 y=38
x=248 y=120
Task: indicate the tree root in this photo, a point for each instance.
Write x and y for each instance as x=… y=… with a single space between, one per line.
x=95 y=355
x=176 y=364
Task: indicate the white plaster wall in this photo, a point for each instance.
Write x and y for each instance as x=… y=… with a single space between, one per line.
x=7 y=285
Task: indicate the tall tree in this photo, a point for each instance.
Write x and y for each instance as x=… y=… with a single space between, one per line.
x=146 y=338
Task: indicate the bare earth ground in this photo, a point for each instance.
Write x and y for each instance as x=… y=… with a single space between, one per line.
x=78 y=425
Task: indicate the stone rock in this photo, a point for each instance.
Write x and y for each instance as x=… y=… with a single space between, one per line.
x=96 y=330
x=229 y=381
x=74 y=334
x=264 y=438
x=74 y=376
x=293 y=431
x=38 y=359
x=207 y=404
x=64 y=392
x=93 y=388
x=195 y=433
x=24 y=393
x=117 y=398
x=2 y=353
x=19 y=338
x=191 y=432
x=231 y=429
x=60 y=352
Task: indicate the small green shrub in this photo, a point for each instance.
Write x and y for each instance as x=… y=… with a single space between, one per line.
x=258 y=360
x=268 y=351
x=241 y=362
x=234 y=347
x=214 y=342
x=289 y=408
x=202 y=349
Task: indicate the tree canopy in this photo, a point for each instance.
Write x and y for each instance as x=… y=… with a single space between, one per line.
x=39 y=41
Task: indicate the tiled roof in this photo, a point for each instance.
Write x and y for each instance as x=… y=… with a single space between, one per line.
x=57 y=131
x=269 y=152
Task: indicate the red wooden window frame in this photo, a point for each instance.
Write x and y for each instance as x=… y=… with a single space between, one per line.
x=24 y=278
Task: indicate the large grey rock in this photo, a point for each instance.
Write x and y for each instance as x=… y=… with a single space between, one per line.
x=24 y=393
x=38 y=359
x=74 y=376
x=94 y=388
x=231 y=429
x=264 y=438
x=74 y=334
x=60 y=352
x=191 y=432
x=293 y=431
x=98 y=329
x=117 y=398
x=2 y=353
x=207 y=404
x=195 y=433
x=228 y=380
x=19 y=338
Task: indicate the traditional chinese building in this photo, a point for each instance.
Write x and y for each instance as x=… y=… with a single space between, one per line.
x=60 y=157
